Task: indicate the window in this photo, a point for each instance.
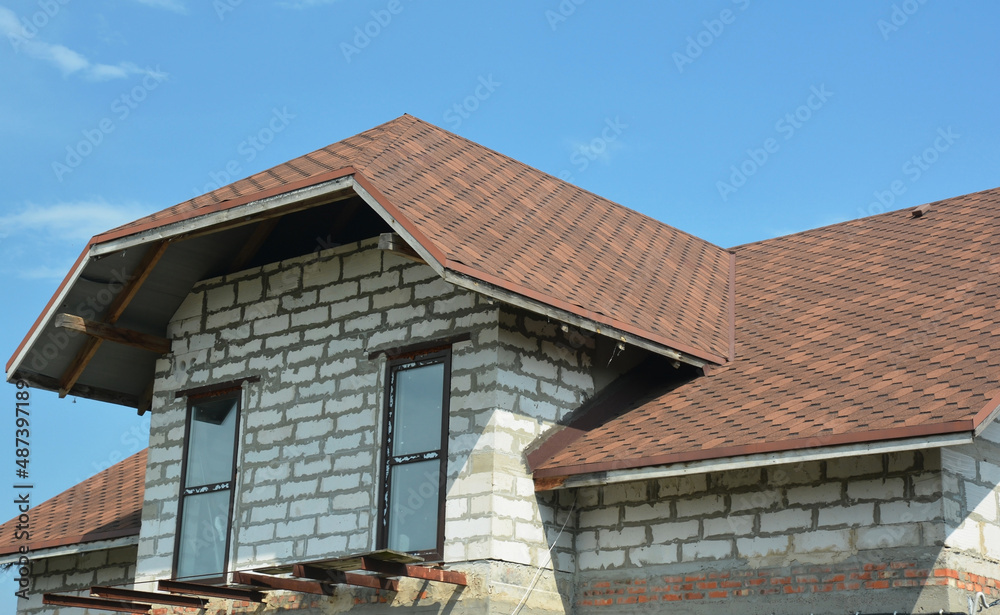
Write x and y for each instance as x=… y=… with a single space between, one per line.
x=411 y=513
x=207 y=476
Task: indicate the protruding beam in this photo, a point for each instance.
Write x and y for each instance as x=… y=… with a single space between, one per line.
x=114 y=593
x=304 y=571
x=115 y=310
x=82 y=602
x=110 y=333
x=394 y=569
x=199 y=589
x=391 y=242
x=266 y=581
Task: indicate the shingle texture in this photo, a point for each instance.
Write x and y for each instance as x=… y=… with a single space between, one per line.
x=878 y=328
x=105 y=506
x=498 y=220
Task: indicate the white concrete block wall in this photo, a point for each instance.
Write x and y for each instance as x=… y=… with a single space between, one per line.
x=75 y=575
x=817 y=512
x=310 y=430
x=971 y=476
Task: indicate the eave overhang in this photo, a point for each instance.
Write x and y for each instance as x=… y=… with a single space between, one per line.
x=191 y=242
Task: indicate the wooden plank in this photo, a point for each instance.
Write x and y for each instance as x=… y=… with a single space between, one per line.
x=115 y=593
x=329 y=575
x=110 y=333
x=142 y=271
x=391 y=242
x=82 y=602
x=200 y=589
x=394 y=569
x=294 y=585
x=118 y=305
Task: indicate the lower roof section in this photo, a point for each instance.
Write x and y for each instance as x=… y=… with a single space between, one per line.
x=104 y=511
x=880 y=329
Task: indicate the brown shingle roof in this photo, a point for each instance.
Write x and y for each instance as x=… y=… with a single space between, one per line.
x=873 y=329
x=105 y=506
x=495 y=219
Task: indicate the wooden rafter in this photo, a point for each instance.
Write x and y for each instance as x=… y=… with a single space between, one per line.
x=114 y=593
x=111 y=333
x=82 y=602
x=115 y=310
x=254 y=243
x=266 y=581
x=304 y=571
x=212 y=591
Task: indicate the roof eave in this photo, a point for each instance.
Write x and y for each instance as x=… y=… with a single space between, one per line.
x=569 y=478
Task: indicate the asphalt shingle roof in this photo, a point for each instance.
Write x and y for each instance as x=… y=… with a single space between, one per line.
x=868 y=330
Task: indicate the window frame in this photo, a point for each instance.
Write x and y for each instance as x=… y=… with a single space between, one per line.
x=439 y=355
x=235 y=392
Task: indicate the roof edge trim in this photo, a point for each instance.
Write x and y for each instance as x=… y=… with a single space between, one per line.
x=16 y=359
x=752 y=461
x=871 y=438
x=82 y=544
x=987 y=415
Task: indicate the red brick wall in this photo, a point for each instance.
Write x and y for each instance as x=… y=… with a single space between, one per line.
x=737 y=584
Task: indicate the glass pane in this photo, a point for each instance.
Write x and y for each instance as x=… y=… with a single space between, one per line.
x=211 y=442
x=417 y=410
x=413 y=506
x=204 y=528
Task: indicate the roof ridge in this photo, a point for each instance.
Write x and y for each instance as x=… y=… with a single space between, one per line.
x=863 y=218
x=362 y=165
x=468 y=141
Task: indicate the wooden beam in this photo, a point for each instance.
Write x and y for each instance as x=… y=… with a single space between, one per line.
x=304 y=571
x=294 y=585
x=200 y=589
x=118 y=305
x=142 y=271
x=82 y=602
x=391 y=242
x=110 y=333
x=254 y=243
x=395 y=569
x=115 y=593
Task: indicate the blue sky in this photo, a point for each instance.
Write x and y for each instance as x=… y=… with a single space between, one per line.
x=735 y=120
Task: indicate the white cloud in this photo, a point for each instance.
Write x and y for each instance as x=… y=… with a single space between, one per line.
x=66 y=222
x=176 y=6
x=63 y=58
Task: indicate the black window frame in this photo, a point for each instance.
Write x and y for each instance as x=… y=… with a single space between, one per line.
x=195 y=396
x=392 y=367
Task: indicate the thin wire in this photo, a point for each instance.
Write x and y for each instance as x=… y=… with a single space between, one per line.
x=538 y=573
